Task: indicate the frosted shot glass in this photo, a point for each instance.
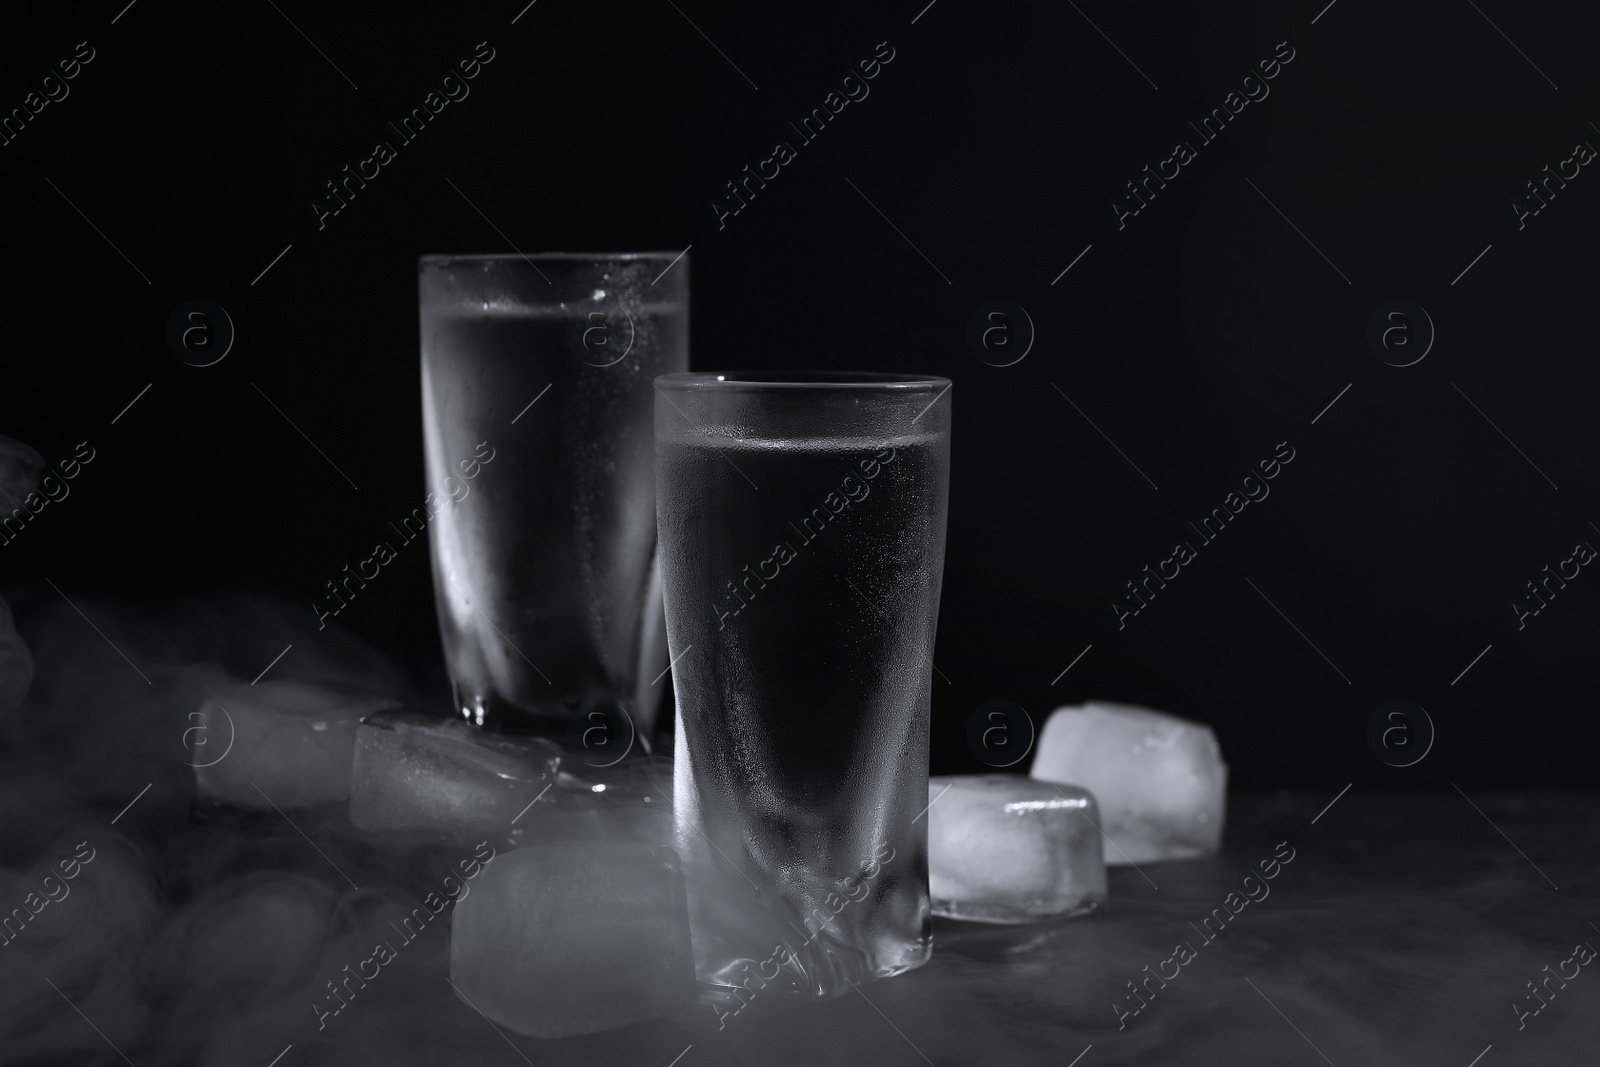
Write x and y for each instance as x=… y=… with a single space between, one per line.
x=802 y=532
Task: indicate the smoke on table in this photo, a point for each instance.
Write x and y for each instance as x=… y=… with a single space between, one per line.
x=1403 y=933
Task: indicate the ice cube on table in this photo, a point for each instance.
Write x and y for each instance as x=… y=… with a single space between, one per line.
x=16 y=663
x=626 y=801
x=285 y=744
x=1159 y=779
x=573 y=938
x=1008 y=849
x=639 y=777
x=422 y=774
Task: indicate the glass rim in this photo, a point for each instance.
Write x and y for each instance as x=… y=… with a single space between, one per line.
x=436 y=258
x=802 y=380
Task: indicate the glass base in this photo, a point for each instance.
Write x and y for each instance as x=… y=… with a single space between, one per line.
x=818 y=968
x=603 y=730
x=745 y=943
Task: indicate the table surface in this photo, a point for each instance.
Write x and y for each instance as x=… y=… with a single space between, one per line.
x=1403 y=931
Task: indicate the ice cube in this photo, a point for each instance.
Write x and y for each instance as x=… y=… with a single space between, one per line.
x=573 y=938
x=422 y=774
x=16 y=663
x=291 y=743
x=1007 y=849
x=640 y=779
x=627 y=801
x=1160 y=780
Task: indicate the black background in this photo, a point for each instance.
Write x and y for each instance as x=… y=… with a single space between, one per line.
x=1196 y=338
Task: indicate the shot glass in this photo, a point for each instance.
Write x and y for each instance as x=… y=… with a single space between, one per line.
x=537 y=419
x=802 y=527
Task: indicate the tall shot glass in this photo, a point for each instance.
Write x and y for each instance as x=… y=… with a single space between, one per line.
x=802 y=527
x=537 y=420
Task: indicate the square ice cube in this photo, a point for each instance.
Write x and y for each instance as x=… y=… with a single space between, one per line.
x=1159 y=779
x=629 y=801
x=281 y=743
x=1008 y=849
x=422 y=774
x=574 y=937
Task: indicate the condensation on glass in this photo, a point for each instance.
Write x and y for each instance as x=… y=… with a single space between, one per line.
x=537 y=379
x=802 y=524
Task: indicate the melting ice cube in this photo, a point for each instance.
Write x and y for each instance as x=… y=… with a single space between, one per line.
x=626 y=801
x=291 y=743
x=1004 y=848
x=16 y=663
x=431 y=775
x=573 y=938
x=1160 y=780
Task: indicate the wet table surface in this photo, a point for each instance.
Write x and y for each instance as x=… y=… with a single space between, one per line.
x=1405 y=929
